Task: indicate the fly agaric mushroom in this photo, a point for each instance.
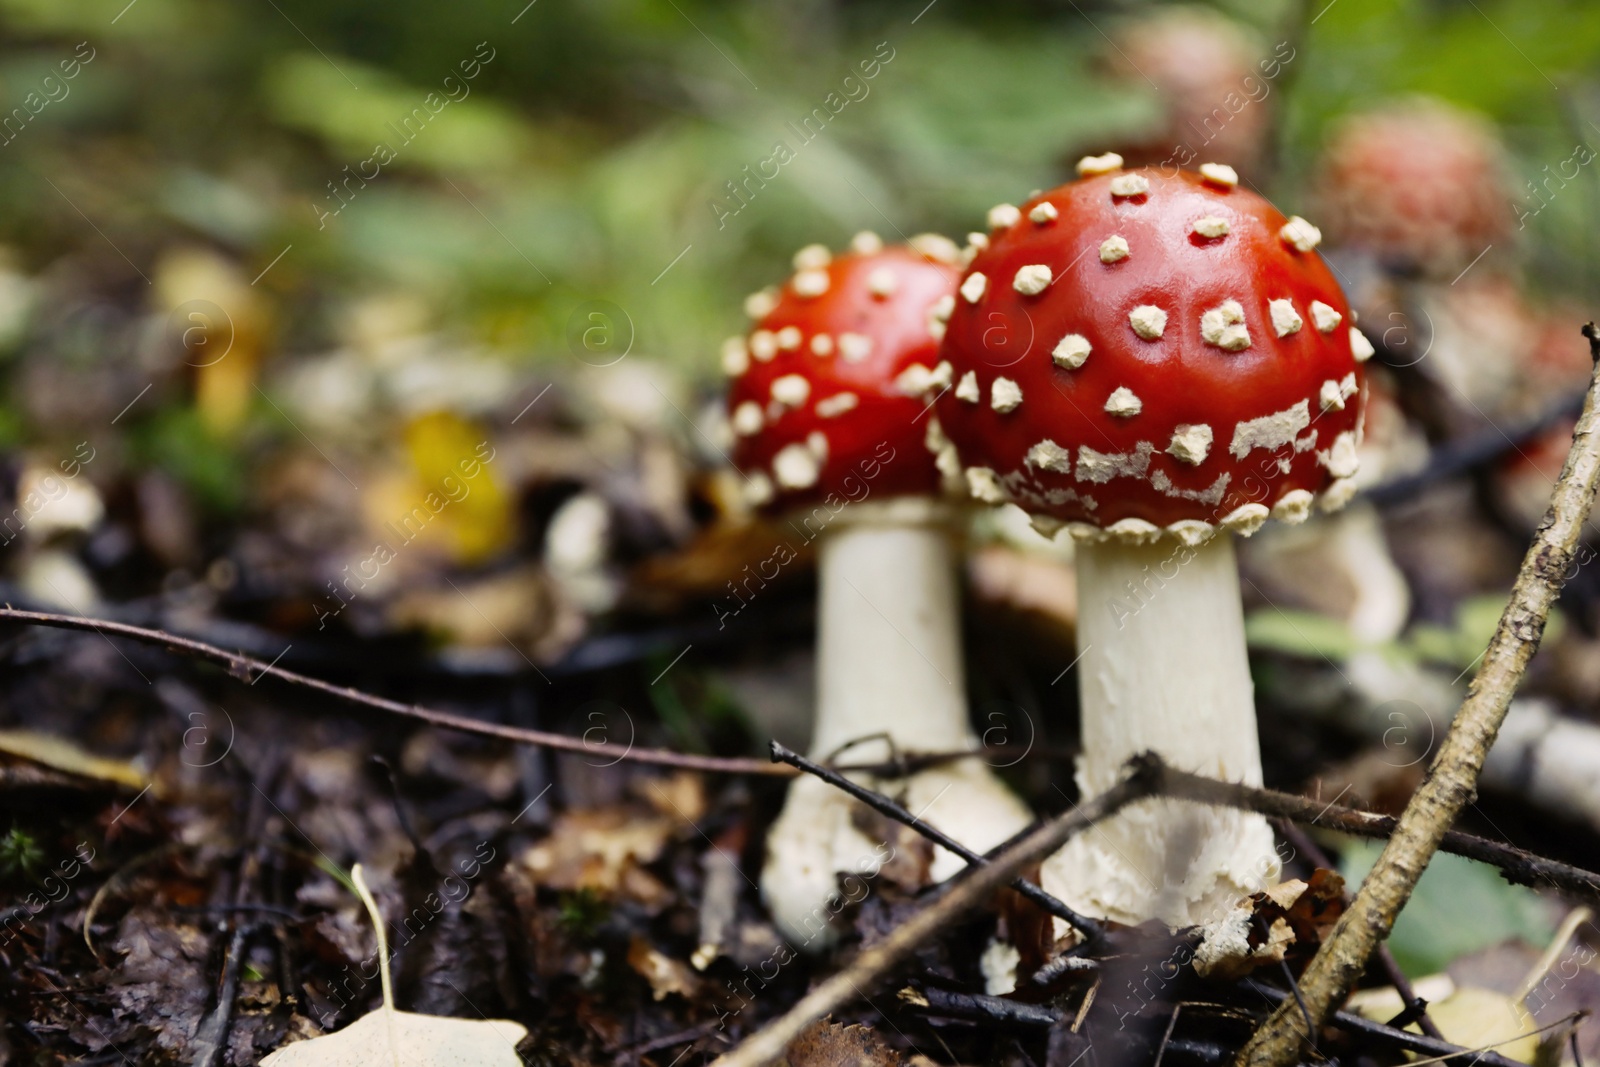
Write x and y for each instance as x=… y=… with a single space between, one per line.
x=1420 y=185
x=1154 y=362
x=829 y=411
x=1205 y=68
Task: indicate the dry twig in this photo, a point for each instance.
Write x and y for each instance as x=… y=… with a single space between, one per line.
x=965 y=893
x=1092 y=929
x=1516 y=865
x=242 y=666
x=1451 y=782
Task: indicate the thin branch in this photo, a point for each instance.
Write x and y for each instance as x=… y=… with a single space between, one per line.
x=1395 y=1038
x=1416 y=1007
x=1093 y=930
x=243 y=667
x=965 y=893
x=1003 y=1012
x=977 y=1007
x=1451 y=781
x=1516 y=865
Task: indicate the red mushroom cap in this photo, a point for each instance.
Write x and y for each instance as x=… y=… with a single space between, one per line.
x=1420 y=184
x=828 y=393
x=1140 y=353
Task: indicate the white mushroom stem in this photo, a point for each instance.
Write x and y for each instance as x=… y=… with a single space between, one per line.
x=1163 y=668
x=888 y=664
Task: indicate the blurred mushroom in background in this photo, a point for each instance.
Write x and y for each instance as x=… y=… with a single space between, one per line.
x=1419 y=185
x=1213 y=78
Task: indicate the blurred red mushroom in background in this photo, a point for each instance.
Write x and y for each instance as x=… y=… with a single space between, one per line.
x=828 y=403
x=1213 y=79
x=1154 y=362
x=1420 y=185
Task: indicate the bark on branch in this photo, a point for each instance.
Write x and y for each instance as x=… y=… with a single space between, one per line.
x=1451 y=781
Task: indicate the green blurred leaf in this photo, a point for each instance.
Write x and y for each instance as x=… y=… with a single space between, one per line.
x=174 y=440
x=1300 y=633
x=1459 y=907
x=359 y=110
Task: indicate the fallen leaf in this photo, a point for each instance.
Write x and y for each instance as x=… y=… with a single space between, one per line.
x=1458 y=907
x=665 y=974
x=1469 y=1016
x=1480 y=1018
x=390 y=1038
x=1285 y=921
x=383 y=1037
x=826 y=1043
x=598 y=849
x=58 y=753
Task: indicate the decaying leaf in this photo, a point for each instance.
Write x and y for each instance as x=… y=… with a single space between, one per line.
x=60 y=754
x=601 y=849
x=826 y=1043
x=390 y=1038
x=1288 y=919
x=1468 y=1016
x=665 y=974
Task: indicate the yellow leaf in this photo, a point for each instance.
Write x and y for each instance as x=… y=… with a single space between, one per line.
x=60 y=754
x=390 y=1038
x=384 y=1038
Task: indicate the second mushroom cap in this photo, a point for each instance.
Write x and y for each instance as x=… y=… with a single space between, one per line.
x=1190 y=363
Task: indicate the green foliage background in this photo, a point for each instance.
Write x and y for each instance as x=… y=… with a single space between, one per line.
x=586 y=156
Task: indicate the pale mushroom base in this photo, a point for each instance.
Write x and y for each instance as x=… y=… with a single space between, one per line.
x=1163 y=669
x=889 y=671
x=819 y=862
x=1172 y=860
